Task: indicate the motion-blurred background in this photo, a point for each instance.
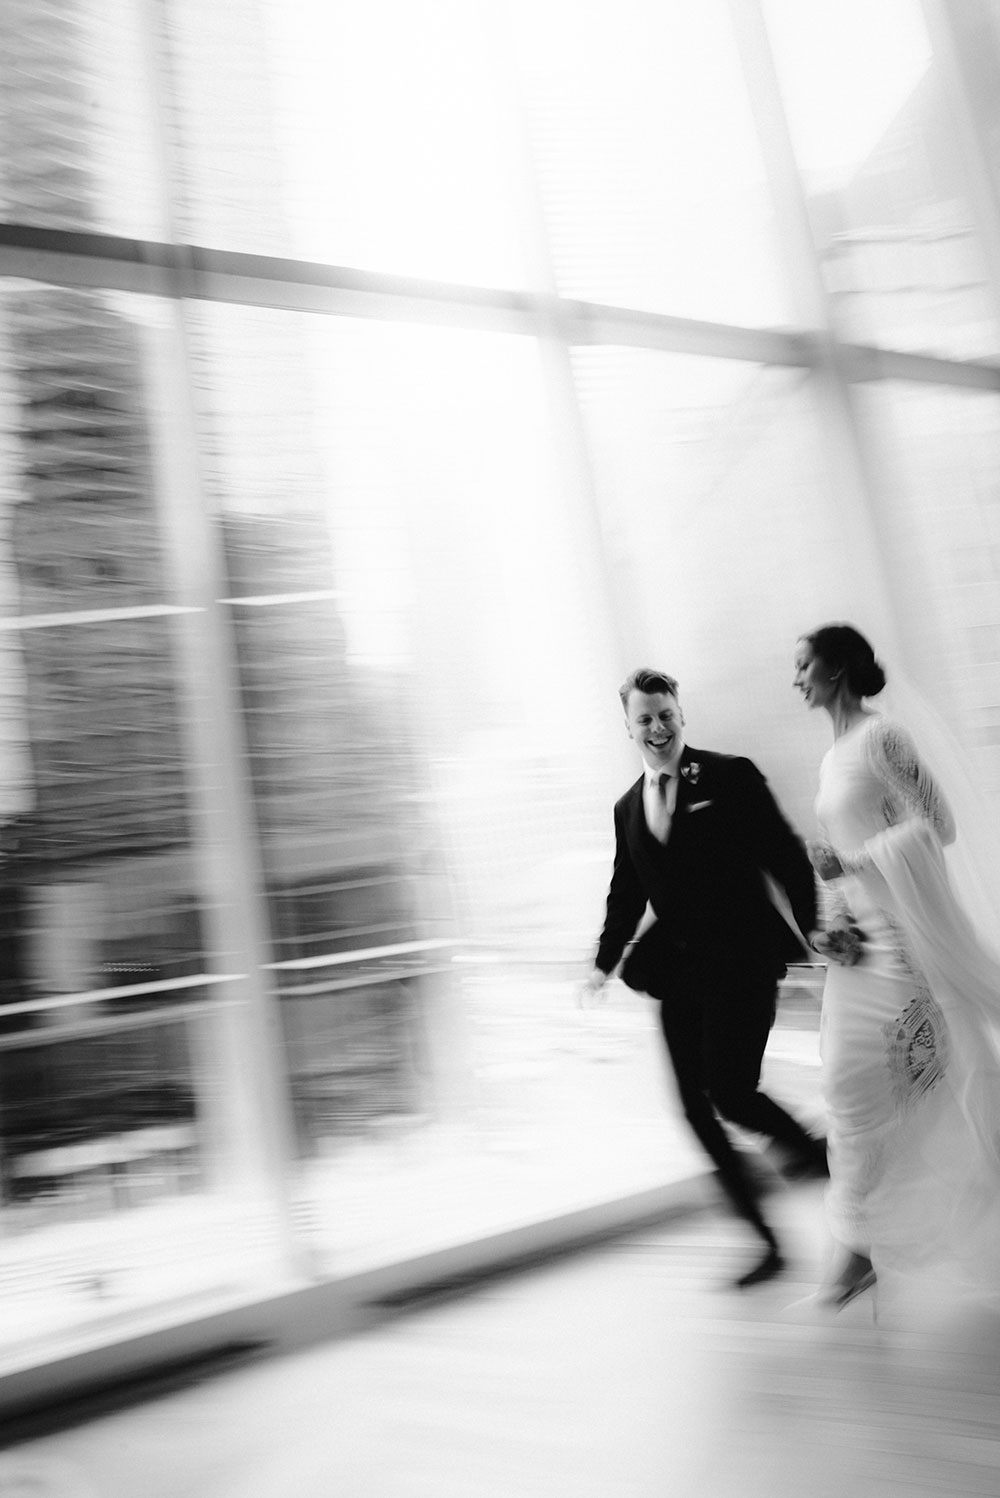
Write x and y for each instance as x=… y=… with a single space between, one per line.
x=380 y=381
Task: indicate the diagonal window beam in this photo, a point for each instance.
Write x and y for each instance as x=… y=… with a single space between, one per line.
x=64 y=257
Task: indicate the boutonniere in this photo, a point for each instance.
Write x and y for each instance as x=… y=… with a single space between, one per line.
x=691 y=772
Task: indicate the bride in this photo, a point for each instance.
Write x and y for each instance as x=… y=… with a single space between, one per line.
x=911 y=1006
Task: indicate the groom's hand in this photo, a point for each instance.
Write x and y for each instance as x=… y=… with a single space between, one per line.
x=820 y=943
x=842 y=944
x=591 y=987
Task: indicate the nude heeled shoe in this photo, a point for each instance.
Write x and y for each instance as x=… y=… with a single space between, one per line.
x=857 y=1277
x=841 y=1292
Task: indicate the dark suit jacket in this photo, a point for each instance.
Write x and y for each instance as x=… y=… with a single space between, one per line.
x=707 y=885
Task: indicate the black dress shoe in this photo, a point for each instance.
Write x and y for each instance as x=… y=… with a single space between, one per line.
x=771 y=1264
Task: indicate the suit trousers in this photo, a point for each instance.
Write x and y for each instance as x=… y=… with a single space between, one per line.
x=716 y=1020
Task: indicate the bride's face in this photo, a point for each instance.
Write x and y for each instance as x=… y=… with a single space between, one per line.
x=813 y=677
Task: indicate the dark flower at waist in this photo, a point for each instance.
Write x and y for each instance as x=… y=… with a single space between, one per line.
x=845 y=944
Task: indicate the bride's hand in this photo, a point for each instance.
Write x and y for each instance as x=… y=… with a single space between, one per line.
x=825 y=860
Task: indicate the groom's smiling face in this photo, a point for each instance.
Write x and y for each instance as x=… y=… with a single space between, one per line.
x=656 y=723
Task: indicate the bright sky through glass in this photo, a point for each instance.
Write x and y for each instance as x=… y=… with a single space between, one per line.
x=400 y=151
x=846 y=68
x=404 y=152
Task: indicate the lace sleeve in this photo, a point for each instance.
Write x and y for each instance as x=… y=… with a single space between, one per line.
x=911 y=789
x=833 y=906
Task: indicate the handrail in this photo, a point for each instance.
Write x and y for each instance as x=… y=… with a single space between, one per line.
x=128 y=991
x=365 y=954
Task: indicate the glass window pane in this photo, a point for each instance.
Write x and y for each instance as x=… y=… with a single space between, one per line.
x=884 y=176
x=936 y=455
x=446 y=775
x=378 y=134
x=97 y=784
x=78 y=143
x=649 y=172
x=120 y=1100
x=719 y=502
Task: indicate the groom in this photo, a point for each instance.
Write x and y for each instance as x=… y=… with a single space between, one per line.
x=695 y=836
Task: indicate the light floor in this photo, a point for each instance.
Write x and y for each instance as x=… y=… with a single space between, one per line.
x=627 y=1371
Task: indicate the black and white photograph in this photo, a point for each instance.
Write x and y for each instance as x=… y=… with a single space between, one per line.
x=499 y=748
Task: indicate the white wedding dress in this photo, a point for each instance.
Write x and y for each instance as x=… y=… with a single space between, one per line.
x=909 y=1035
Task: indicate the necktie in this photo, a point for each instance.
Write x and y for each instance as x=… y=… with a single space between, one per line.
x=658 y=812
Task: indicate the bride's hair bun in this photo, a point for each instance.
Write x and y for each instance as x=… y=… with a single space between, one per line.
x=845 y=649
x=868 y=679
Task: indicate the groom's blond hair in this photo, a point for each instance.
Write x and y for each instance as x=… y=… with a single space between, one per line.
x=646 y=679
